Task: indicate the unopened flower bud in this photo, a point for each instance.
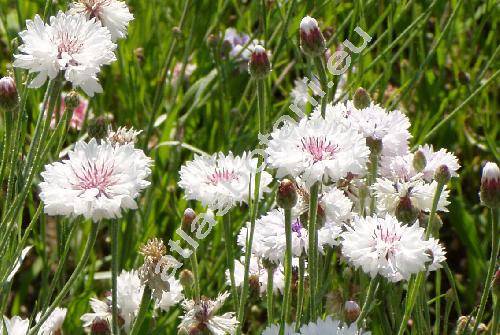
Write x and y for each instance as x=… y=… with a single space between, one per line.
x=177 y=32
x=226 y=47
x=442 y=174
x=71 y=100
x=286 y=196
x=490 y=185
x=259 y=65
x=405 y=211
x=8 y=93
x=187 y=219
x=100 y=326
x=98 y=128
x=352 y=310
x=186 y=278
x=212 y=41
x=361 y=98
x=375 y=145
x=312 y=41
x=139 y=55
x=419 y=161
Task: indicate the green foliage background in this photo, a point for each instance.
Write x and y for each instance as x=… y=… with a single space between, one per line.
x=436 y=60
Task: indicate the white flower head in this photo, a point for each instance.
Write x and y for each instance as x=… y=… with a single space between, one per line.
x=398 y=167
x=123 y=135
x=385 y=246
x=113 y=14
x=301 y=94
x=275 y=330
x=269 y=239
x=99 y=318
x=437 y=254
x=53 y=324
x=435 y=159
x=331 y=327
x=259 y=272
x=128 y=296
x=96 y=181
x=70 y=43
x=14 y=326
x=421 y=194
x=203 y=315
x=171 y=297
x=391 y=127
x=315 y=149
x=222 y=181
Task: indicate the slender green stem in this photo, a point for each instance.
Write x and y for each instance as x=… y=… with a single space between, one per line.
x=313 y=248
x=285 y=312
x=255 y=206
x=491 y=268
x=230 y=256
x=194 y=267
x=370 y=295
x=413 y=290
x=143 y=309
x=115 y=226
x=72 y=279
x=453 y=284
x=437 y=323
x=447 y=310
x=323 y=79
x=300 y=293
x=270 y=295
x=61 y=263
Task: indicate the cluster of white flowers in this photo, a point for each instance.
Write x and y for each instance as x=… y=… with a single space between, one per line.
x=129 y=295
x=18 y=326
x=328 y=326
x=76 y=43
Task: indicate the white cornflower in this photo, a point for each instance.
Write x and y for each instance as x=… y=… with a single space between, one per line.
x=123 y=136
x=113 y=14
x=259 y=272
x=14 y=326
x=99 y=320
x=389 y=194
x=221 y=181
x=331 y=327
x=202 y=315
x=128 y=296
x=96 y=181
x=385 y=246
x=397 y=167
x=70 y=43
x=275 y=330
x=269 y=239
x=391 y=127
x=301 y=94
x=171 y=297
x=53 y=324
x=434 y=159
x=316 y=149
x=437 y=254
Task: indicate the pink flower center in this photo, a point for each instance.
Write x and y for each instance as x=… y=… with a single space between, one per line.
x=94 y=7
x=69 y=44
x=388 y=237
x=95 y=176
x=221 y=175
x=319 y=148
